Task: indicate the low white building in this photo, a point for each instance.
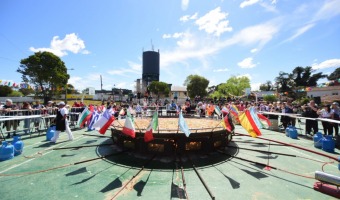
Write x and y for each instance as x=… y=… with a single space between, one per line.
x=326 y=94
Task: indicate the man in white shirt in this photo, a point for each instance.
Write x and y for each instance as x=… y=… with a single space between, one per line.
x=62 y=123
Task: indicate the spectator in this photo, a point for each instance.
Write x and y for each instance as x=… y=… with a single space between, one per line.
x=325 y=113
x=26 y=111
x=37 y=110
x=310 y=111
x=335 y=113
x=8 y=109
x=287 y=108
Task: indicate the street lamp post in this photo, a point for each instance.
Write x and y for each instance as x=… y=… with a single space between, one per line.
x=66 y=86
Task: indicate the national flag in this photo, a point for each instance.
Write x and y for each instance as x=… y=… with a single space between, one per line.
x=88 y=119
x=129 y=128
x=94 y=119
x=121 y=112
x=183 y=125
x=148 y=136
x=104 y=121
x=225 y=110
x=234 y=111
x=128 y=114
x=218 y=111
x=254 y=116
x=248 y=123
x=84 y=117
x=227 y=123
x=264 y=120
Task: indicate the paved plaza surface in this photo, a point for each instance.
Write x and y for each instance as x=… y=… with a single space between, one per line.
x=56 y=171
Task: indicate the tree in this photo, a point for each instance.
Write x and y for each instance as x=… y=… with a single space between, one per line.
x=5 y=90
x=298 y=72
x=70 y=89
x=159 y=88
x=268 y=86
x=304 y=77
x=196 y=85
x=235 y=86
x=270 y=98
x=16 y=94
x=46 y=71
x=284 y=82
x=334 y=75
x=26 y=91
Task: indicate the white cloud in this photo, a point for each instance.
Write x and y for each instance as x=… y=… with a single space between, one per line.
x=221 y=70
x=186 y=18
x=214 y=22
x=176 y=35
x=93 y=80
x=186 y=43
x=248 y=3
x=185 y=4
x=201 y=49
x=135 y=68
x=60 y=47
x=254 y=50
x=329 y=9
x=327 y=64
x=261 y=33
x=247 y=63
x=300 y=31
x=255 y=86
x=194 y=16
x=268 y=5
x=166 y=36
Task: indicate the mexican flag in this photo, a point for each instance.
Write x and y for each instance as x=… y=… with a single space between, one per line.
x=148 y=136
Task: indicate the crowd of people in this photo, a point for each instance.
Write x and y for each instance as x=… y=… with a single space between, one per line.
x=282 y=111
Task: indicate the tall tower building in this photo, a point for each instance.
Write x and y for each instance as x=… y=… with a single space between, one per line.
x=150 y=68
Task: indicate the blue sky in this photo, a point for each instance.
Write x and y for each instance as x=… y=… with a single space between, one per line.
x=215 y=39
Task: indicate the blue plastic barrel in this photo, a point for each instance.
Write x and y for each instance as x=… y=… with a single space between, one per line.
x=50 y=133
x=293 y=133
x=6 y=151
x=328 y=144
x=18 y=145
x=318 y=140
x=287 y=131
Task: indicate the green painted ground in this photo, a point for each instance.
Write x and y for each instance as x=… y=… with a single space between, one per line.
x=226 y=178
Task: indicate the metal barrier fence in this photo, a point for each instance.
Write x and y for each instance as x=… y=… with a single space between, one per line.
x=32 y=120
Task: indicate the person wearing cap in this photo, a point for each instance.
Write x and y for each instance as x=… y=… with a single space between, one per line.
x=61 y=123
x=8 y=109
x=335 y=113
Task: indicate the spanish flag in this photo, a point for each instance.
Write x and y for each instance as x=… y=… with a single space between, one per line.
x=249 y=124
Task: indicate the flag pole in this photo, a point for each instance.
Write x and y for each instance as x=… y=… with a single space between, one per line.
x=217 y=125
